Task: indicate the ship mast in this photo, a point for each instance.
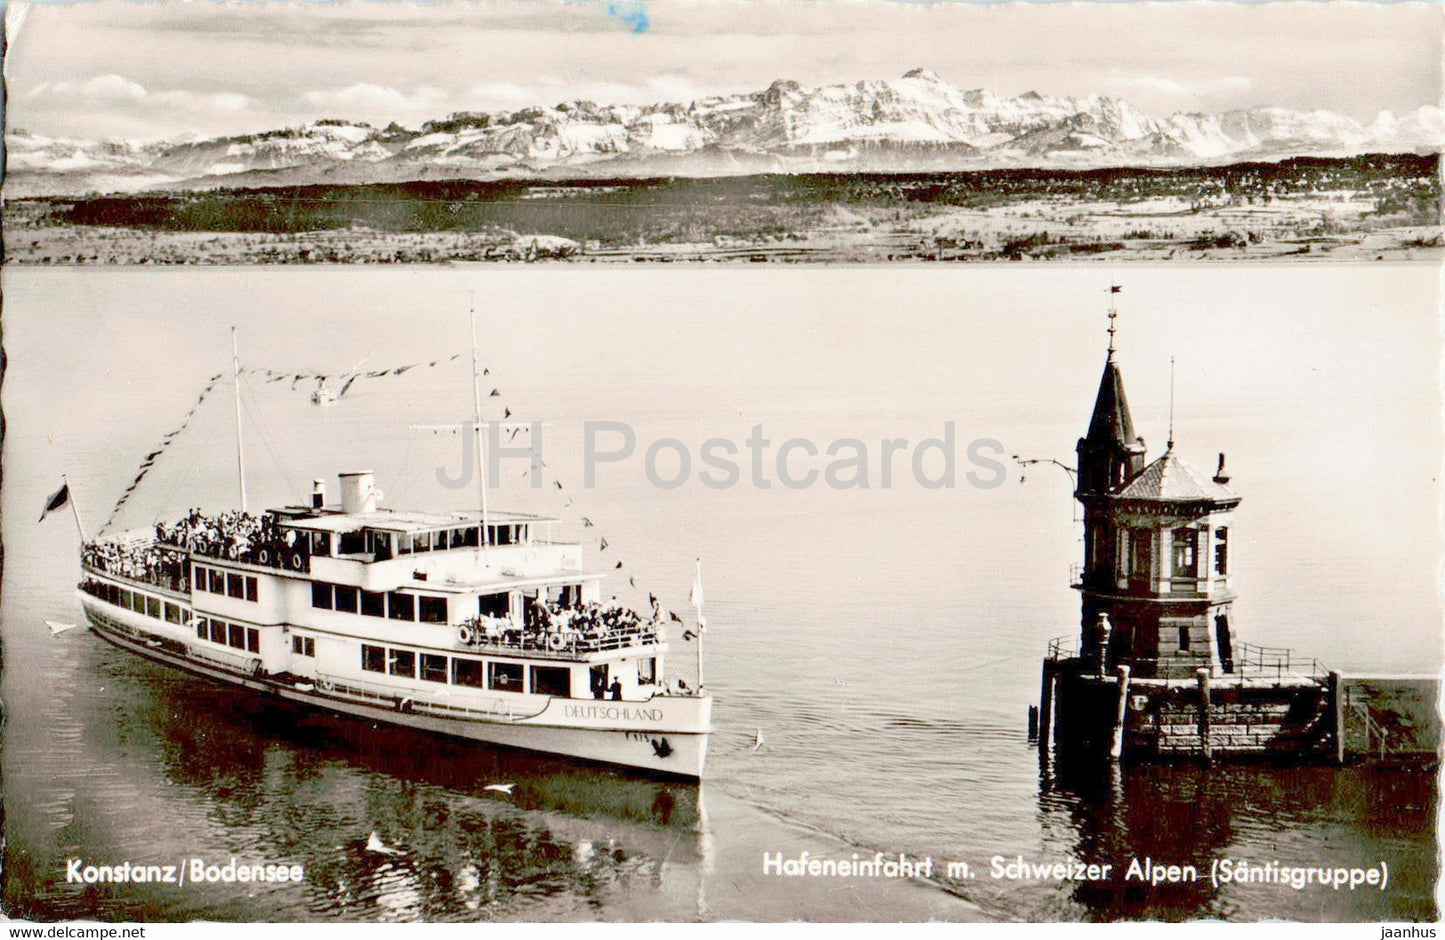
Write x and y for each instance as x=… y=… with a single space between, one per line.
x=240 y=452
x=485 y=541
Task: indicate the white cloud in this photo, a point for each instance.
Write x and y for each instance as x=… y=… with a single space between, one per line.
x=227 y=101
x=110 y=87
x=113 y=86
x=364 y=96
x=1174 y=88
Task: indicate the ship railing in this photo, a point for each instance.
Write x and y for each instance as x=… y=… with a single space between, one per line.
x=272 y=553
x=408 y=699
x=137 y=558
x=561 y=641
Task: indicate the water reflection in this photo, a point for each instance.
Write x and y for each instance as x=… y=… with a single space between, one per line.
x=1192 y=814
x=235 y=775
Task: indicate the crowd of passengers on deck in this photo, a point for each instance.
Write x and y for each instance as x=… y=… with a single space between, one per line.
x=150 y=563
x=559 y=626
x=235 y=535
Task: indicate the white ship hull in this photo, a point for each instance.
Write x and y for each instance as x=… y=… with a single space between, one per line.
x=663 y=734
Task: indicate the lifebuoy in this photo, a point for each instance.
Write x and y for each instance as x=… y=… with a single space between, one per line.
x=295 y=561
x=264 y=556
x=465 y=635
x=233 y=553
x=555 y=641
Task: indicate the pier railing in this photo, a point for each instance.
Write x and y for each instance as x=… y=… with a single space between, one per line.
x=1063 y=647
x=1278 y=661
x=1248 y=659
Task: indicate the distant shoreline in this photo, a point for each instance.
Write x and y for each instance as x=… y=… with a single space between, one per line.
x=1373 y=208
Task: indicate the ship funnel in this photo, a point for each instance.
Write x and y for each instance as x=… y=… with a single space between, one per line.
x=1221 y=475
x=359 y=492
x=318 y=494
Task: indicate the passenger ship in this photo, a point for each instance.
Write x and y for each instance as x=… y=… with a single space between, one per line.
x=474 y=625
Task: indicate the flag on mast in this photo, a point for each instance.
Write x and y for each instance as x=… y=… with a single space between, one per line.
x=696 y=597
x=57 y=499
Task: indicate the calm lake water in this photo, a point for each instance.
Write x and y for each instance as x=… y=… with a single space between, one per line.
x=884 y=641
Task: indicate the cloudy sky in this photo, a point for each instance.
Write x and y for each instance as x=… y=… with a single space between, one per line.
x=121 y=69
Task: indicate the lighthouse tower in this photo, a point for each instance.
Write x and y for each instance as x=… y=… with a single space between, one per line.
x=1155 y=578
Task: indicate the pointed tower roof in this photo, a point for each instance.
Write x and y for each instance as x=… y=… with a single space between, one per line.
x=1111 y=421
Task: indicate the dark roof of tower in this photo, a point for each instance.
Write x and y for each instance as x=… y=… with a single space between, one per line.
x=1171 y=479
x=1111 y=420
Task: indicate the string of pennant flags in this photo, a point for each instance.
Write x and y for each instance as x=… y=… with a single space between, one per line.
x=350 y=377
x=153 y=456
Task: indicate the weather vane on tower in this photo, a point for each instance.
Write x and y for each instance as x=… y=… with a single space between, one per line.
x=1113 y=316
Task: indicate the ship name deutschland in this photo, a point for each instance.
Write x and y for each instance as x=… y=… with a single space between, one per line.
x=612 y=712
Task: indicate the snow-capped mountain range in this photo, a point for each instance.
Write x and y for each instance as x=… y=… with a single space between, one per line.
x=917 y=122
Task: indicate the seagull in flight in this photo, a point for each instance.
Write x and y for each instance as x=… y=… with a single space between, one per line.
x=374 y=844
x=758 y=742
x=500 y=787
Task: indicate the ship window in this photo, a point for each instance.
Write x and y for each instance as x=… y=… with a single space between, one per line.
x=350 y=543
x=203 y=629
x=1185 y=563
x=494 y=605
x=647 y=670
x=1221 y=551
x=200 y=577
x=173 y=613
x=379 y=544
x=253 y=640
x=218 y=631
x=298 y=645
x=403 y=663
x=458 y=537
x=403 y=544
x=471 y=537
x=321 y=595
x=124 y=599
x=236 y=635
x=321 y=543
x=153 y=607
x=467 y=672
x=552 y=680
x=505 y=677
x=373 y=658
x=250 y=588
x=373 y=604
x=138 y=602
x=346 y=599
x=433 y=667
x=216 y=580
x=433 y=609
x=235 y=586
x=401 y=606
x=439 y=541
x=1184 y=637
